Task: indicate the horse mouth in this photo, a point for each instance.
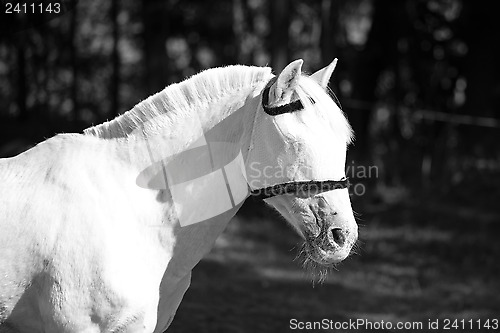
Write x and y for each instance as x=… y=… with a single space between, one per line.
x=325 y=257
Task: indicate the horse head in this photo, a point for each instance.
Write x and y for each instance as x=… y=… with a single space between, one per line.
x=301 y=135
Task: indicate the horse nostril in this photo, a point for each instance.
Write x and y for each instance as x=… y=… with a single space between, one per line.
x=338 y=236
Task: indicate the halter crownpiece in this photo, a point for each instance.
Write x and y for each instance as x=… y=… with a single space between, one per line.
x=290 y=107
x=300 y=186
x=277 y=110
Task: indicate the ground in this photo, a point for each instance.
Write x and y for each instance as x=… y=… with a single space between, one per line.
x=435 y=258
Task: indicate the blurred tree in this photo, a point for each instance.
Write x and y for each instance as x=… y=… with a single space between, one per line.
x=115 y=60
x=74 y=64
x=22 y=90
x=243 y=31
x=251 y=20
x=482 y=66
x=367 y=42
x=329 y=31
x=156 y=19
x=481 y=69
x=397 y=59
x=280 y=22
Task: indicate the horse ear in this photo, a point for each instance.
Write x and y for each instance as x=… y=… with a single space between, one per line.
x=287 y=81
x=322 y=77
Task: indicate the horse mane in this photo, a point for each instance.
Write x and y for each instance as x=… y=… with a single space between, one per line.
x=210 y=86
x=182 y=98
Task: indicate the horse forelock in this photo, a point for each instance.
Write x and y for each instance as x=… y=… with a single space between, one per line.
x=181 y=99
x=325 y=106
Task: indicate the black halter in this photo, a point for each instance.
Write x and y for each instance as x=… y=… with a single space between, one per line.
x=305 y=187
x=291 y=107
x=277 y=110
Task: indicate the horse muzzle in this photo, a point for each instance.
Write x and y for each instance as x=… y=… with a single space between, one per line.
x=333 y=243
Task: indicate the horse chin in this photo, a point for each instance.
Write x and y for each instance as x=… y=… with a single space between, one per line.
x=318 y=260
x=327 y=258
x=314 y=265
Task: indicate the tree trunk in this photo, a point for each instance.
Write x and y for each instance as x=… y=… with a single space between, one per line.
x=74 y=65
x=329 y=27
x=22 y=90
x=155 y=19
x=115 y=60
x=242 y=29
x=279 y=18
x=482 y=68
x=329 y=19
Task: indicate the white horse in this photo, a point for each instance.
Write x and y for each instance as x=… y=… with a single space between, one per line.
x=99 y=232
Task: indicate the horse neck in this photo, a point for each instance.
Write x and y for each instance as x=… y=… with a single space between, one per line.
x=227 y=121
x=158 y=139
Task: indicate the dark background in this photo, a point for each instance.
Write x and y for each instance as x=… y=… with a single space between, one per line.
x=418 y=80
